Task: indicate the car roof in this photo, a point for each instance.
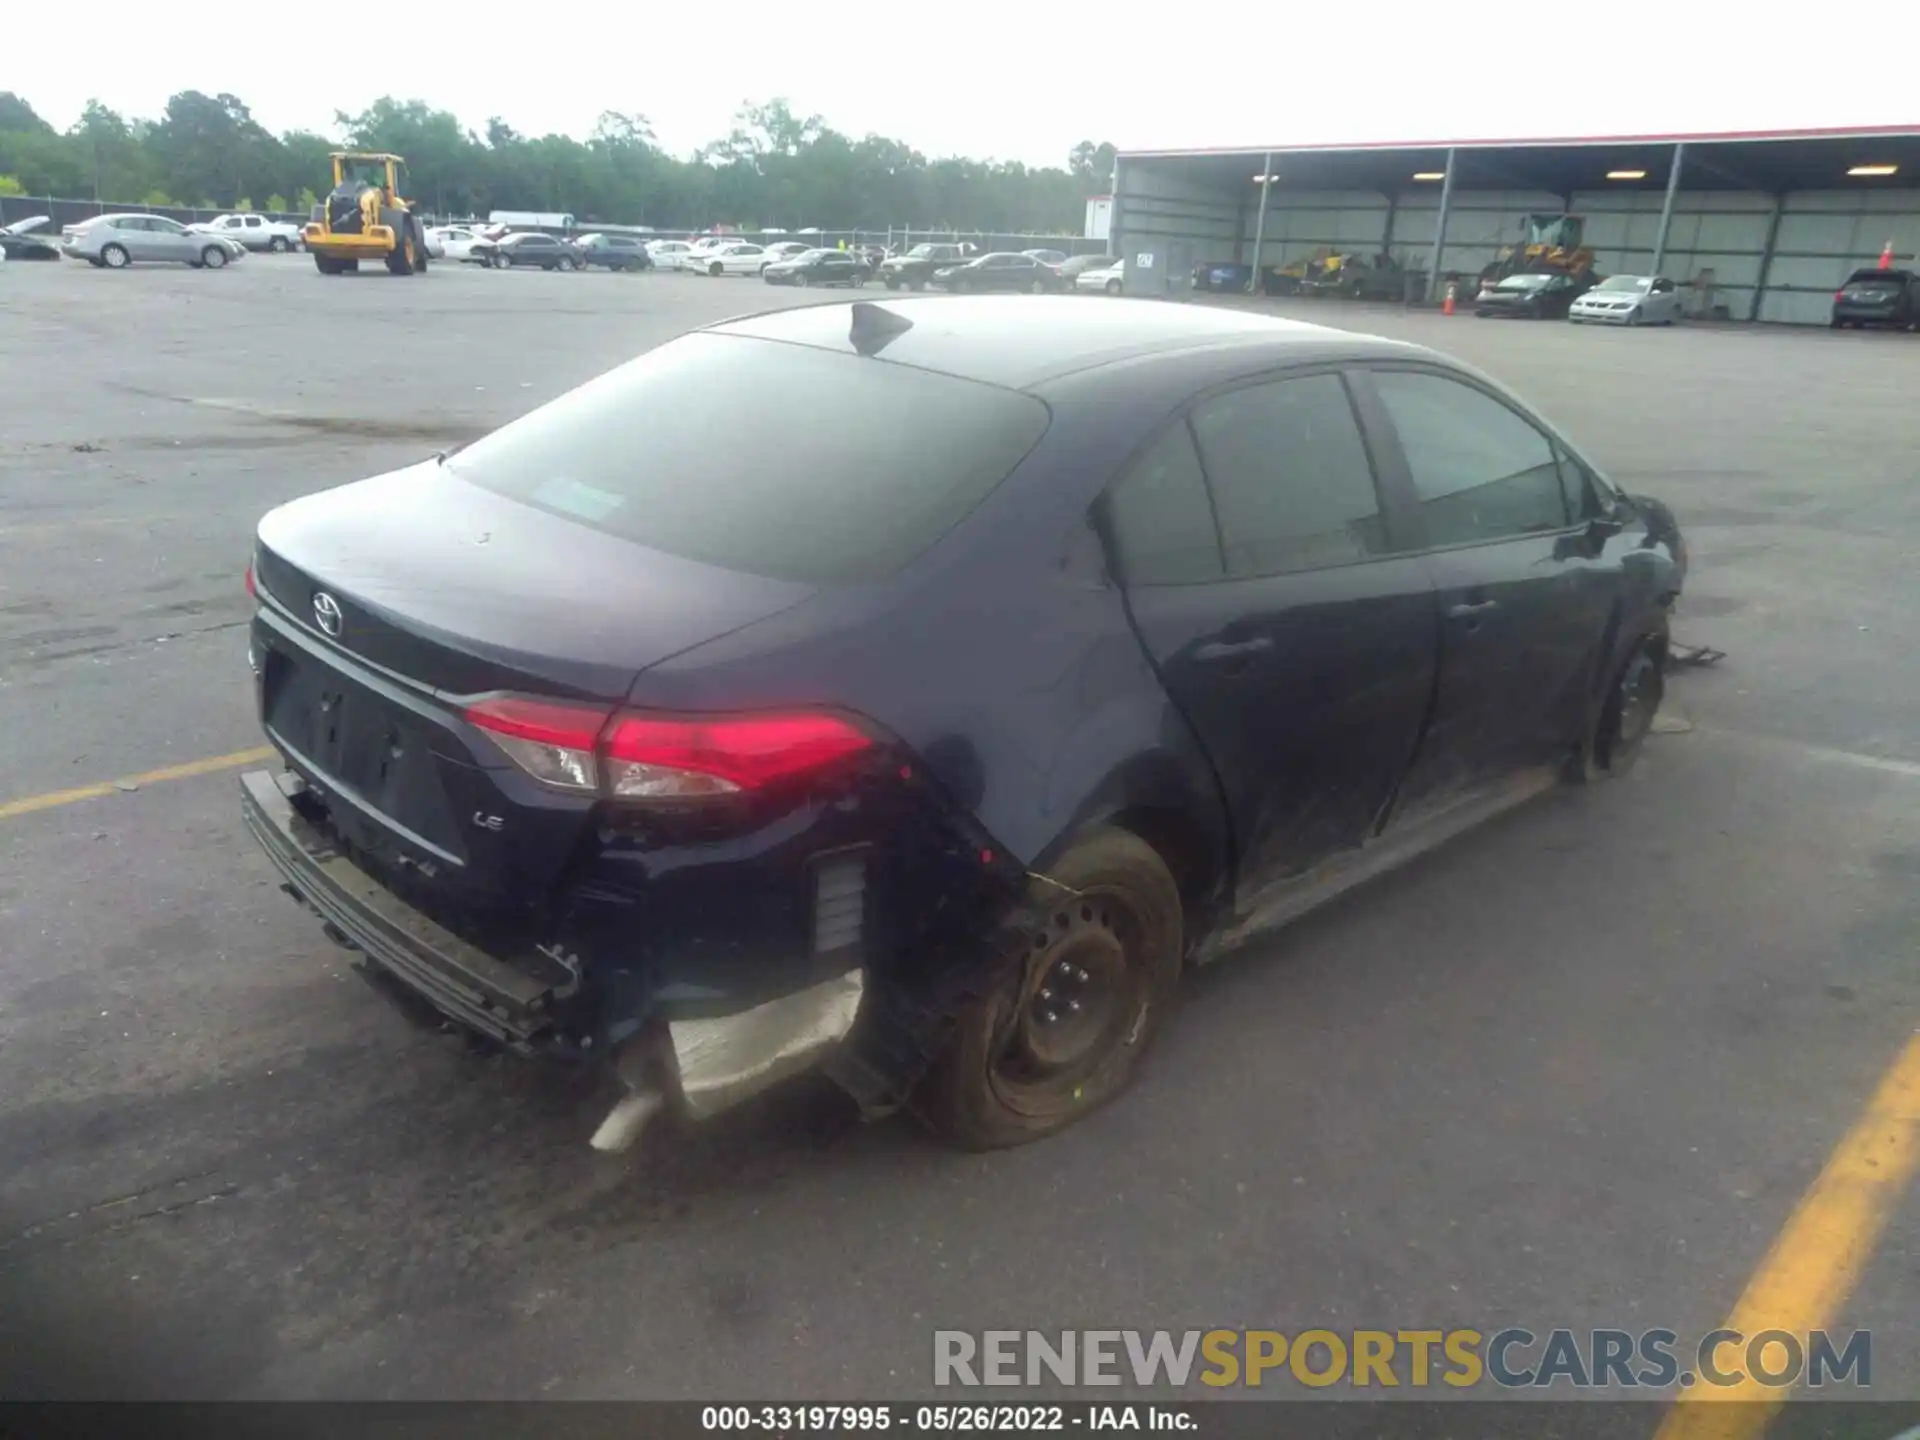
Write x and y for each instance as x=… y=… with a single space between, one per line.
x=1027 y=340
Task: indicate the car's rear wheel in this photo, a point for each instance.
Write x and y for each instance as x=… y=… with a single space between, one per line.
x=1063 y=1029
x=213 y=257
x=1113 y=287
x=114 y=257
x=502 y=260
x=1626 y=713
x=565 y=264
x=716 y=269
x=278 y=245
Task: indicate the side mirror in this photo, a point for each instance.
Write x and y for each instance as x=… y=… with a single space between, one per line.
x=1602 y=528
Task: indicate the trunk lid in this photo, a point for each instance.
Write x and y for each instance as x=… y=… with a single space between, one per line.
x=463 y=591
x=391 y=602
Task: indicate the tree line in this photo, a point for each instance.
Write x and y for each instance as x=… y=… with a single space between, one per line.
x=775 y=167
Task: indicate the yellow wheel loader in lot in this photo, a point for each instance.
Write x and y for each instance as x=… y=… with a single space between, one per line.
x=366 y=217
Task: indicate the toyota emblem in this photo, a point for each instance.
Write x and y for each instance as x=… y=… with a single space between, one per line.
x=326 y=613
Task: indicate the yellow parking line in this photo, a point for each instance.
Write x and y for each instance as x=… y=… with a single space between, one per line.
x=1816 y=1261
x=12 y=808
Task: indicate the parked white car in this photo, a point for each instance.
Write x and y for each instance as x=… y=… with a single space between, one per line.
x=1629 y=300
x=452 y=242
x=1104 y=280
x=669 y=254
x=255 y=232
x=786 y=250
x=742 y=257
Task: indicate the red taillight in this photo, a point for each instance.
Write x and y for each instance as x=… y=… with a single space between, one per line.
x=637 y=755
x=1839 y=294
x=252 y=593
x=664 y=756
x=554 y=743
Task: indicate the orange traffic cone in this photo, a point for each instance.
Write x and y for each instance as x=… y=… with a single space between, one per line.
x=1886 y=256
x=1446 y=305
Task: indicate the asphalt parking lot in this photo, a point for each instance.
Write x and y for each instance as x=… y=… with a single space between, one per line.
x=1576 y=1070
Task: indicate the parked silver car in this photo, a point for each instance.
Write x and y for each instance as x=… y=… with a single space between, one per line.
x=1628 y=300
x=116 y=241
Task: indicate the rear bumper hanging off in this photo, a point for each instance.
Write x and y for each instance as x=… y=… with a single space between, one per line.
x=458 y=979
x=716 y=1061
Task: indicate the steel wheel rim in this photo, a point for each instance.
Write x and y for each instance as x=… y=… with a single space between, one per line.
x=1639 y=700
x=1081 y=996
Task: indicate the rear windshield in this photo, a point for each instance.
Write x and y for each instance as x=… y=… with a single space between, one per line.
x=779 y=460
x=1878 y=278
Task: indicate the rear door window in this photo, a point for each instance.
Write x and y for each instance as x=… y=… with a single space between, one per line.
x=1159 y=518
x=849 y=469
x=1290 y=476
x=1482 y=471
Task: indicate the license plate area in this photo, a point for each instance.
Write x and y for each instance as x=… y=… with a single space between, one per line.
x=362 y=746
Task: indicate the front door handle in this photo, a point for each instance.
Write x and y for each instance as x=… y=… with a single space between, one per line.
x=1233 y=649
x=1467 y=611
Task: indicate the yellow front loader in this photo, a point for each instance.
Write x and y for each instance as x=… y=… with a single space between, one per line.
x=366 y=217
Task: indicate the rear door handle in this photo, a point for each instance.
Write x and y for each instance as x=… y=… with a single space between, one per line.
x=1477 y=607
x=1233 y=649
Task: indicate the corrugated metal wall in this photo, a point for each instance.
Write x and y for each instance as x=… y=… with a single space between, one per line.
x=1158 y=203
x=1822 y=234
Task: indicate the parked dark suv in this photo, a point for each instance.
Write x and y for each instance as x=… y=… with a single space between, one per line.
x=1878 y=297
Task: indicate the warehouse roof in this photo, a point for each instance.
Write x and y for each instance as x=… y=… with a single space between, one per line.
x=1775 y=161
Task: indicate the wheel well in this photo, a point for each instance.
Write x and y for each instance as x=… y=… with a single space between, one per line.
x=1183 y=845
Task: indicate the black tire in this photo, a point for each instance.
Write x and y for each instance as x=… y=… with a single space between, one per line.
x=716 y=270
x=96 y=262
x=115 y=257
x=564 y=265
x=1113 y=287
x=1626 y=713
x=400 y=259
x=278 y=245
x=1017 y=1068
x=502 y=260
x=213 y=257
x=892 y=282
x=1038 y=287
x=326 y=264
x=800 y=278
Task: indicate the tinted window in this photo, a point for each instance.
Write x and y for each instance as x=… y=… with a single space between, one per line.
x=1289 y=476
x=849 y=469
x=1482 y=472
x=1581 y=490
x=1160 y=519
x=534 y=242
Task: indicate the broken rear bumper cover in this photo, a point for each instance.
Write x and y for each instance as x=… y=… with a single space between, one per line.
x=716 y=1061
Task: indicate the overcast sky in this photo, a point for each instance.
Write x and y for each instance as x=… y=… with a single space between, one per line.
x=1025 y=87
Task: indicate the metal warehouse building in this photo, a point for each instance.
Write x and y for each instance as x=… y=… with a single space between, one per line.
x=1765 y=226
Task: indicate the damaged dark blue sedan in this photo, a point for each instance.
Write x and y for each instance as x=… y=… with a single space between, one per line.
x=922 y=717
